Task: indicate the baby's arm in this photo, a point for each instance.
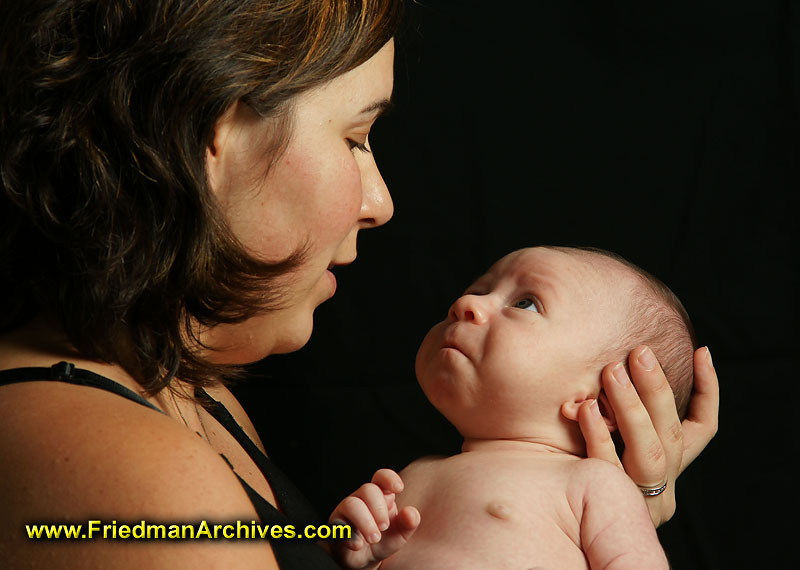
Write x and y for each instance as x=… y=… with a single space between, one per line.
x=616 y=530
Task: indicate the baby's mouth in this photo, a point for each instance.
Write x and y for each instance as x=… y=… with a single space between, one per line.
x=450 y=343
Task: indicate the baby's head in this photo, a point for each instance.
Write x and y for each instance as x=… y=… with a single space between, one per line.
x=659 y=320
x=526 y=343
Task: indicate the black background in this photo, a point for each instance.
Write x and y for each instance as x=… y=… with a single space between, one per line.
x=667 y=133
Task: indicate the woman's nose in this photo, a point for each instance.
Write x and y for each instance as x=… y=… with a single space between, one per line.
x=376 y=206
x=470 y=308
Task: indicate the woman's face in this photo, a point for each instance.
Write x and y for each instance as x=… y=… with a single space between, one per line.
x=322 y=190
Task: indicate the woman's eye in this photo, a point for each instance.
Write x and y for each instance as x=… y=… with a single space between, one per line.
x=355 y=145
x=526 y=304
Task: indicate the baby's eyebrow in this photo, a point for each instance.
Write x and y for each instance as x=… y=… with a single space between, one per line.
x=539 y=281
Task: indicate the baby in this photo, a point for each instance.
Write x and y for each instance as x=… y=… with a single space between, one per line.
x=518 y=355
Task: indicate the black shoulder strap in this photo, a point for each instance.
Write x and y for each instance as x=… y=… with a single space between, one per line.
x=302 y=554
x=66 y=372
x=290 y=499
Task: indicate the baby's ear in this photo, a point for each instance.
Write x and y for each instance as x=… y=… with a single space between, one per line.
x=569 y=410
x=607 y=411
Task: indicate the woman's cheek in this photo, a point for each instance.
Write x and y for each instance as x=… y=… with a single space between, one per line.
x=344 y=199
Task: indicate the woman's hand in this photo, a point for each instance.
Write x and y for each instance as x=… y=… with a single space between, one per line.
x=379 y=528
x=658 y=446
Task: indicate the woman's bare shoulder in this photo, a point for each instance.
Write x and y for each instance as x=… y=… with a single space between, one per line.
x=74 y=453
x=91 y=443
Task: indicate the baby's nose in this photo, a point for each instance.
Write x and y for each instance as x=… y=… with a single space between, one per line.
x=469 y=308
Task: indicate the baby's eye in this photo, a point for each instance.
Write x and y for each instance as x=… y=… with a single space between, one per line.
x=526 y=304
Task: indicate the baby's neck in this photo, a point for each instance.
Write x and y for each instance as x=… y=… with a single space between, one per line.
x=528 y=445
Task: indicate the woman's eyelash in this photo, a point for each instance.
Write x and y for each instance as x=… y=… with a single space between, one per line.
x=358 y=146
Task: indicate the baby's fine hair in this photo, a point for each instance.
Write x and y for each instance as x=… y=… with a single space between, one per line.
x=659 y=320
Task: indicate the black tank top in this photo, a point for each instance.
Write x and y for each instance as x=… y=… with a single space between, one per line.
x=291 y=554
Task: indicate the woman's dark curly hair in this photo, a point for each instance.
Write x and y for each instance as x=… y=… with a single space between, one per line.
x=107 y=222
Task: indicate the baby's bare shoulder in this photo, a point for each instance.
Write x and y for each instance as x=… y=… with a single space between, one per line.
x=423 y=466
x=419 y=479
x=597 y=478
x=595 y=471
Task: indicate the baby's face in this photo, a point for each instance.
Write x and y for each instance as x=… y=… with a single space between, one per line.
x=523 y=339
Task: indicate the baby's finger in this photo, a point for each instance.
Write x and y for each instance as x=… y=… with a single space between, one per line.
x=701 y=424
x=376 y=501
x=644 y=460
x=403 y=526
x=388 y=480
x=596 y=435
x=355 y=541
x=354 y=511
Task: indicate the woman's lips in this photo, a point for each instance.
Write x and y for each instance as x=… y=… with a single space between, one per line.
x=336 y=263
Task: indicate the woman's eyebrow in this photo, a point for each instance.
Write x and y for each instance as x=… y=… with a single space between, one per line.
x=378 y=107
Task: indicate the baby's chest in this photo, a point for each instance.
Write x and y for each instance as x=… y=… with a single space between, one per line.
x=496 y=512
x=494 y=496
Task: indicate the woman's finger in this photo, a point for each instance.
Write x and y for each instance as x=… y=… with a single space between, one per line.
x=701 y=424
x=659 y=401
x=599 y=444
x=644 y=458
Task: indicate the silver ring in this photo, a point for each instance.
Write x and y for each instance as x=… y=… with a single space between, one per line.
x=653 y=491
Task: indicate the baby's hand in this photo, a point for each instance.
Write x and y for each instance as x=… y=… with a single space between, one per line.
x=379 y=529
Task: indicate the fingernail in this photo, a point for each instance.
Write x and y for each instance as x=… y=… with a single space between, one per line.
x=383 y=526
x=594 y=408
x=620 y=375
x=647 y=359
x=708 y=355
x=375 y=538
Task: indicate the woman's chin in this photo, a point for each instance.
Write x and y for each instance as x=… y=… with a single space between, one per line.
x=288 y=346
x=256 y=338
x=295 y=338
